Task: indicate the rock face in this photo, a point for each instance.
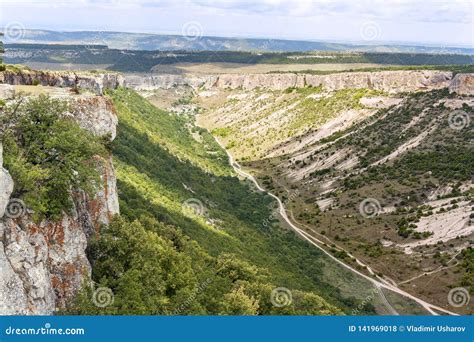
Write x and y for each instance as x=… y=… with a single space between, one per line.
x=94 y=82
x=462 y=84
x=94 y=113
x=151 y=82
x=6 y=185
x=253 y=81
x=6 y=91
x=43 y=265
x=389 y=81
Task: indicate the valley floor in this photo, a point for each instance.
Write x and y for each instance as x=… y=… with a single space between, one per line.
x=322 y=177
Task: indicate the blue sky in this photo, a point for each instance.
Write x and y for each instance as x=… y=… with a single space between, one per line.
x=440 y=22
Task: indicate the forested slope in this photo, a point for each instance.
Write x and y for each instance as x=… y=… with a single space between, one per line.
x=191 y=239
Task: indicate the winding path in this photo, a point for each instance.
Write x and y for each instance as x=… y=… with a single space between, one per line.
x=380 y=284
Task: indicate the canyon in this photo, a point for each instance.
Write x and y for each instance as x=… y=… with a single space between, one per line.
x=389 y=81
x=45 y=263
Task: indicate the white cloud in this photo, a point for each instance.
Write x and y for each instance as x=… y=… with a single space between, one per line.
x=428 y=10
x=450 y=21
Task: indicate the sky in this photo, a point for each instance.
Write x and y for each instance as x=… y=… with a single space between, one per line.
x=436 y=22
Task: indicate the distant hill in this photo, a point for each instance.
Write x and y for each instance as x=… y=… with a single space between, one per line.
x=95 y=56
x=146 y=41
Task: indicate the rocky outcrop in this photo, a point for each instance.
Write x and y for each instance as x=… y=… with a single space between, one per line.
x=151 y=82
x=43 y=265
x=6 y=91
x=94 y=113
x=253 y=81
x=6 y=185
x=93 y=82
x=388 y=81
x=462 y=84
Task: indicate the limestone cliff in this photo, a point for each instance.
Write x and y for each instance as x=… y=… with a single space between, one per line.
x=463 y=84
x=388 y=81
x=95 y=82
x=42 y=265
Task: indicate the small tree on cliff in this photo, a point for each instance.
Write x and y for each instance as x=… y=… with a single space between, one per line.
x=49 y=156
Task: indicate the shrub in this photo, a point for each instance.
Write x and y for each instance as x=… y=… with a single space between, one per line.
x=48 y=155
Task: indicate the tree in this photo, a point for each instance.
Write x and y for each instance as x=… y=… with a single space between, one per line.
x=48 y=155
x=144 y=272
x=237 y=302
x=229 y=266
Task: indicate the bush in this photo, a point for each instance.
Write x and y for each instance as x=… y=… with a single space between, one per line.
x=48 y=155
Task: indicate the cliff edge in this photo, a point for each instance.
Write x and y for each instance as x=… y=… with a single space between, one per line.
x=44 y=264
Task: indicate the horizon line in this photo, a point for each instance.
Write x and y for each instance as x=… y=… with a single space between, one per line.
x=322 y=40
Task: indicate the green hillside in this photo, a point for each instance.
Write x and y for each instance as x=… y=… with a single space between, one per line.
x=158 y=253
x=413 y=164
